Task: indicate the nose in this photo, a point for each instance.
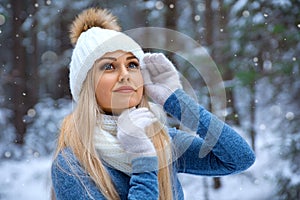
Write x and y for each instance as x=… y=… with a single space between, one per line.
x=124 y=74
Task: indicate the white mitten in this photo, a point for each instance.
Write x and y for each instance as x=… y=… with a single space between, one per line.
x=131 y=132
x=161 y=78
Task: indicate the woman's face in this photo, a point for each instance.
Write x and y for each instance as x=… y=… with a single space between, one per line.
x=119 y=82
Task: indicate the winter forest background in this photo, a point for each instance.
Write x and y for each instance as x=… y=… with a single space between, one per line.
x=254 y=44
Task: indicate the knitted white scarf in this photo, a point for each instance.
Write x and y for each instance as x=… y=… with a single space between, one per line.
x=108 y=146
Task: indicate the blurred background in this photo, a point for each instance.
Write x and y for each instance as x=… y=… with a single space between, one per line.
x=254 y=44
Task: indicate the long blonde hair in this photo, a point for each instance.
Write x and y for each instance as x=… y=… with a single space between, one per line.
x=77 y=133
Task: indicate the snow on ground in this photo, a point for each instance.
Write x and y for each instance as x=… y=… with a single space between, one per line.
x=25 y=180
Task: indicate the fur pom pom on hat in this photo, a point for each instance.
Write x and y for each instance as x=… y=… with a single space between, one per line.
x=93 y=33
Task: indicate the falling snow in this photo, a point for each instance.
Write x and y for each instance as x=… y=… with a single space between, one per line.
x=255 y=59
x=2 y=19
x=159 y=5
x=197 y=18
x=289 y=116
x=246 y=13
x=267 y=65
x=31 y=112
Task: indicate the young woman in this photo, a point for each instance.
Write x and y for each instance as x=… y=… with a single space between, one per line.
x=115 y=145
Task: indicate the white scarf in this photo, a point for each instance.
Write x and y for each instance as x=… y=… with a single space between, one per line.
x=108 y=146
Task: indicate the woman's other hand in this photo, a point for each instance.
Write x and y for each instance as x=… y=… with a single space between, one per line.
x=131 y=131
x=161 y=78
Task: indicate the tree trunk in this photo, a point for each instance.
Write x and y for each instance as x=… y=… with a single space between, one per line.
x=252 y=114
x=209 y=23
x=222 y=58
x=209 y=38
x=171 y=14
x=18 y=72
x=32 y=73
x=171 y=17
x=259 y=70
x=206 y=189
x=197 y=36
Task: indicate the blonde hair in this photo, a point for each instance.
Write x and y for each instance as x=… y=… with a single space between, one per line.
x=77 y=133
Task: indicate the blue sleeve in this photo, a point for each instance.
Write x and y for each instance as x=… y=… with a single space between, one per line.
x=144 y=183
x=216 y=149
x=70 y=181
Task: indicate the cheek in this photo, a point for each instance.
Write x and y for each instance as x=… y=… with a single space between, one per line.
x=140 y=92
x=103 y=94
x=138 y=80
x=136 y=98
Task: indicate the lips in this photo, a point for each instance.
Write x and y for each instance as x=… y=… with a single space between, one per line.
x=124 y=89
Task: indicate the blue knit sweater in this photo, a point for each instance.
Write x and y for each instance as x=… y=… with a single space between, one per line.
x=215 y=150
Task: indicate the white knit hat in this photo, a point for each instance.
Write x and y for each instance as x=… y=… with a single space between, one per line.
x=90 y=46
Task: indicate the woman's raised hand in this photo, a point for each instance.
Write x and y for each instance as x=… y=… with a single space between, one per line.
x=131 y=131
x=161 y=78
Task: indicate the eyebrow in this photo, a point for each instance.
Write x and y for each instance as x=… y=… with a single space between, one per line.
x=115 y=59
x=131 y=57
x=108 y=58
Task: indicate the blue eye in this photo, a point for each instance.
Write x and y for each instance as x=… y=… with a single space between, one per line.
x=133 y=65
x=107 y=67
